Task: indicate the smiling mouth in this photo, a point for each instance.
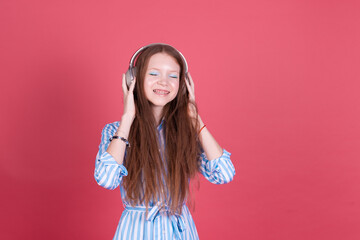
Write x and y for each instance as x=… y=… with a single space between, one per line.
x=161 y=92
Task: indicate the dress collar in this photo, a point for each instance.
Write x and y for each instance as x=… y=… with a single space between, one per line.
x=161 y=124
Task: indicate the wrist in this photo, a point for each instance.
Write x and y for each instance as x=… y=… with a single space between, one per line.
x=201 y=123
x=125 y=125
x=201 y=128
x=128 y=118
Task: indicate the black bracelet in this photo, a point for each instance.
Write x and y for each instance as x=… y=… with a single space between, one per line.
x=121 y=138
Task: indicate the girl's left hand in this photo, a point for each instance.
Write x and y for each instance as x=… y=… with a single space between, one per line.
x=191 y=89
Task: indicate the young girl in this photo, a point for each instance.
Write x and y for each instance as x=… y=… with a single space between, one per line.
x=158 y=146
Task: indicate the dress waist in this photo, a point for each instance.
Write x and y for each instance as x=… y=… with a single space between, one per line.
x=177 y=220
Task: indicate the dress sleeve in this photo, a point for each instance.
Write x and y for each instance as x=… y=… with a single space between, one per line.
x=217 y=171
x=108 y=173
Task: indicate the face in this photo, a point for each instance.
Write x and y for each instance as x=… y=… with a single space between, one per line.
x=161 y=82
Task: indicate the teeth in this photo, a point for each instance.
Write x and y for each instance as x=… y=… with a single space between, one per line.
x=160 y=91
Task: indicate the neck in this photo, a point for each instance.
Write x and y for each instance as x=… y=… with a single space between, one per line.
x=157 y=111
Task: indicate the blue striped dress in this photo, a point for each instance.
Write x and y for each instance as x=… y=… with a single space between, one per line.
x=158 y=223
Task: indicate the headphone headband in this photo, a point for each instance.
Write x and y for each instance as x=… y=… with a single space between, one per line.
x=133 y=58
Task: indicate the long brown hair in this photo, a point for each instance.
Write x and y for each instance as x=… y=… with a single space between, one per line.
x=149 y=177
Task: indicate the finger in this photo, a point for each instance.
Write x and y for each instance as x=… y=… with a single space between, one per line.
x=132 y=85
x=124 y=87
x=192 y=84
x=190 y=90
x=189 y=77
x=191 y=81
x=188 y=85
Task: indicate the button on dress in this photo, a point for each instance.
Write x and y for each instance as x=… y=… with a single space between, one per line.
x=134 y=223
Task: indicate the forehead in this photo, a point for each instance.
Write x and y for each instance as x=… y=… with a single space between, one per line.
x=163 y=61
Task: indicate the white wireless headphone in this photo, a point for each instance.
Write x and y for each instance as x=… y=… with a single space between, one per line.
x=131 y=72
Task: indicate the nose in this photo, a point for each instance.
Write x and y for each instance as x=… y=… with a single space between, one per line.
x=162 y=80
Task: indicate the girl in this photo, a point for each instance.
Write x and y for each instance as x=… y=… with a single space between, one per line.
x=158 y=146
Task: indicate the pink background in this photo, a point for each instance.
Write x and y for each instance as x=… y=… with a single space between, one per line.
x=277 y=83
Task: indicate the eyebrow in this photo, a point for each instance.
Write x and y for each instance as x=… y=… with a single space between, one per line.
x=171 y=70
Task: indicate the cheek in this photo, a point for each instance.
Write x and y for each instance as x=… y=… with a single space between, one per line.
x=147 y=84
x=147 y=88
x=175 y=86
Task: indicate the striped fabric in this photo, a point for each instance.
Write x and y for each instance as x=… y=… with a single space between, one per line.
x=158 y=223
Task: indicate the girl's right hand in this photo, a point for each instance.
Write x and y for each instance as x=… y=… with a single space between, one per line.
x=129 y=104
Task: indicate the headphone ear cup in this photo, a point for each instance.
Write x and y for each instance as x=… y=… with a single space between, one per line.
x=134 y=70
x=128 y=78
x=184 y=90
x=185 y=87
x=130 y=75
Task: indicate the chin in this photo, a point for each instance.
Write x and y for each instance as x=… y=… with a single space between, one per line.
x=159 y=104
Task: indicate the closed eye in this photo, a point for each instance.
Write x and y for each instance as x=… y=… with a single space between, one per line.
x=173 y=76
x=153 y=73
